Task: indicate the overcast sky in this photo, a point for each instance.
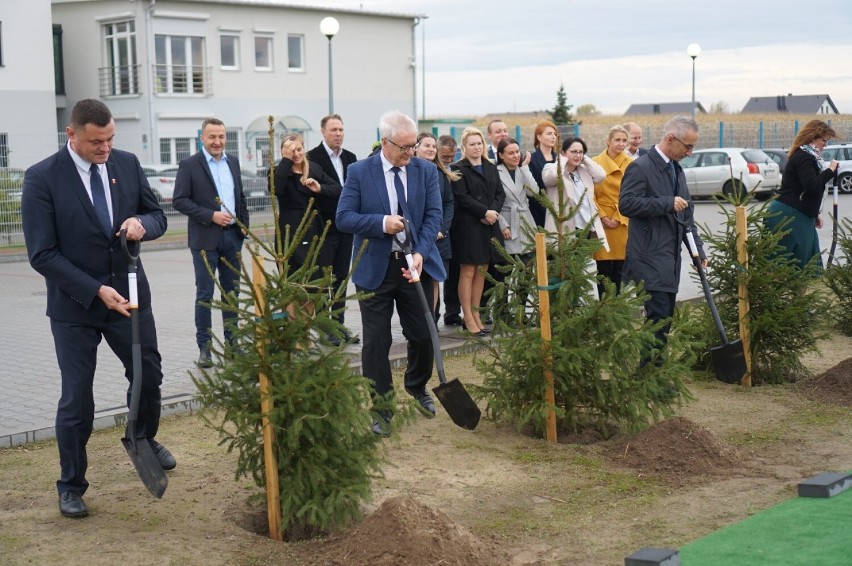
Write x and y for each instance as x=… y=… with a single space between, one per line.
x=499 y=56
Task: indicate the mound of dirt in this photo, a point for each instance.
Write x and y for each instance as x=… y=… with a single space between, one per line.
x=678 y=451
x=404 y=532
x=832 y=386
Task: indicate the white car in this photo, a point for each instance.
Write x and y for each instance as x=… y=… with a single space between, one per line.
x=710 y=172
x=162 y=181
x=843 y=154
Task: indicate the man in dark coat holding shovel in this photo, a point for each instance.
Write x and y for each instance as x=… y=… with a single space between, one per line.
x=655 y=197
x=74 y=204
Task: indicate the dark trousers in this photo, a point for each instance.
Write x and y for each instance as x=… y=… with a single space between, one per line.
x=659 y=307
x=376 y=313
x=76 y=351
x=338 y=247
x=611 y=269
x=226 y=253
x=452 y=305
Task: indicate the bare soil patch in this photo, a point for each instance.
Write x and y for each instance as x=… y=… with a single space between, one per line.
x=451 y=496
x=831 y=386
x=677 y=451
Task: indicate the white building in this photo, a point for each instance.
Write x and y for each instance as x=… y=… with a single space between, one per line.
x=28 y=101
x=162 y=66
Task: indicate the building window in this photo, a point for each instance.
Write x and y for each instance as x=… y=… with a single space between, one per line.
x=296 y=52
x=232 y=142
x=173 y=150
x=180 y=65
x=229 y=46
x=121 y=75
x=58 y=60
x=263 y=53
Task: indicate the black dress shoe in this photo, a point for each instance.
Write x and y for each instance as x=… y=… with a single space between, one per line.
x=350 y=338
x=452 y=321
x=425 y=404
x=167 y=461
x=72 y=505
x=204 y=359
x=381 y=424
x=333 y=340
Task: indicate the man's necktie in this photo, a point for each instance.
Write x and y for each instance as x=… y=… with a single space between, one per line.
x=402 y=204
x=99 y=199
x=673 y=177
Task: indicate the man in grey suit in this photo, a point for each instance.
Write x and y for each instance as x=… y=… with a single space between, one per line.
x=74 y=205
x=655 y=197
x=209 y=190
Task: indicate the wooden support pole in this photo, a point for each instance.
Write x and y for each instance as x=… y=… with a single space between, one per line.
x=273 y=495
x=544 y=326
x=742 y=293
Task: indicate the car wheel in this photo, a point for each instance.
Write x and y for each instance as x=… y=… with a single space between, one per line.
x=844 y=183
x=729 y=187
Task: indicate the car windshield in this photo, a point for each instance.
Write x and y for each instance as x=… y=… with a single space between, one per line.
x=755 y=156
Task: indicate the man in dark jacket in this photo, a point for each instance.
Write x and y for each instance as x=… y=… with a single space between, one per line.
x=335 y=162
x=655 y=197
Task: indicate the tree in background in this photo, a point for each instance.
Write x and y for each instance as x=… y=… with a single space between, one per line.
x=561 y=113
x=720 y=107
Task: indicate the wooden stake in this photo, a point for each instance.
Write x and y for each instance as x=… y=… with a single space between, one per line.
x=742 y=258
x=544 y=325
x=273 y=495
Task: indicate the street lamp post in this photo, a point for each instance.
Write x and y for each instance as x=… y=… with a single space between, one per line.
x=329 y=27
x=693 y=50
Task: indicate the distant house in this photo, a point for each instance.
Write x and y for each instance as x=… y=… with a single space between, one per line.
x=799 y=104
x=665 y=108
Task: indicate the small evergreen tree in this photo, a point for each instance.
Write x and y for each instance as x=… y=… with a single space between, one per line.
x=561 y=113
x=597 y=346
x=326 y=452
x=838 y=277
x=782 y=299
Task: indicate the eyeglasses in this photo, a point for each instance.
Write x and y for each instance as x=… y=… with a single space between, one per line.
x=688 y=146
x=576 y=152
x=403 y=148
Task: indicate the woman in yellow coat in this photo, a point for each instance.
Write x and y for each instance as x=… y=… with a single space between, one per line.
x=614 y=161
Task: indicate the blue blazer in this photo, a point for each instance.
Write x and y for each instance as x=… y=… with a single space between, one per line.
x=195 y=195
x=364 y=203
x=64 y=239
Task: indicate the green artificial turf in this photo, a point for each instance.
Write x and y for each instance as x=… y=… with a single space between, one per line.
x=805 y=530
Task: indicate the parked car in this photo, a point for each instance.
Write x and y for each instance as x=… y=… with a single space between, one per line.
x=162 y=181
x=256 y=189
x=843 y=154
x=779 y=156
x=12 y=182
x=710 y=172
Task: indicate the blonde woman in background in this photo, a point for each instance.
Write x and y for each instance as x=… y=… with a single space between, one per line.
x=614 y=162
x=297 y=181
x=479 y=198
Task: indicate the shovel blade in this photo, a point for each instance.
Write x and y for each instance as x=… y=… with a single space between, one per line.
x=458 y=403
x=729 y=361
x=147 y=466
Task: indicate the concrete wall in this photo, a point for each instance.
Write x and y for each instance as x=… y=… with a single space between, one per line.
x=27 y=99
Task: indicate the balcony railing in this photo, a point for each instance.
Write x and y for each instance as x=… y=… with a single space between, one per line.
x=119 y=80
x=182 y=79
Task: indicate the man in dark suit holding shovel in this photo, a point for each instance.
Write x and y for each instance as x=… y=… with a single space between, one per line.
x=74 y=204
x=655 y=197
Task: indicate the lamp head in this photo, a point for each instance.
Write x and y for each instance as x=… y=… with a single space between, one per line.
x=329 y=27
x=693 y=50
